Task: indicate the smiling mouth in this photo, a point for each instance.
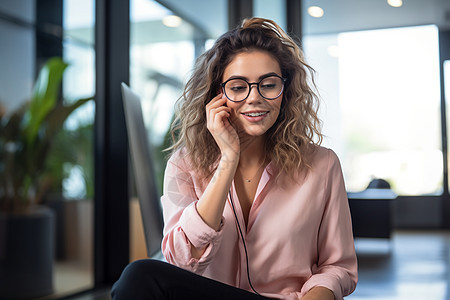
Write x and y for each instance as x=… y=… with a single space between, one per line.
x=256 y=114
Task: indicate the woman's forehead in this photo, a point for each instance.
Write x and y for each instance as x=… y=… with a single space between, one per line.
x=252 y=65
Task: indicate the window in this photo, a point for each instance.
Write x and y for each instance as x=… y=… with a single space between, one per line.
x=270 y=9
x=447 y=97
x=382 y=115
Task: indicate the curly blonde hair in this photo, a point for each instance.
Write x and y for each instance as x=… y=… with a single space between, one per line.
x=297 y=128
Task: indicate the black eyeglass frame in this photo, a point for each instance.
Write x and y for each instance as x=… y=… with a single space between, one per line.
x=257 y=87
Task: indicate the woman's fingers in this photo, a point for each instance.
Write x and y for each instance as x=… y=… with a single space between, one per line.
x=217 y=101
x=218 y=124
x=216 y=110
x=222 y=116
x=218 y=117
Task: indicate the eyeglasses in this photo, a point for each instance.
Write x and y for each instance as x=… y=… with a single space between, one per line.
x=238 y=89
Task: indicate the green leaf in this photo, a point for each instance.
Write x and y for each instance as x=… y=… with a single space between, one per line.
x=59 y=114
x=45 y=96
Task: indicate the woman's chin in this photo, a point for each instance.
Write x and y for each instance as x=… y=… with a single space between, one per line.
x=253 y=132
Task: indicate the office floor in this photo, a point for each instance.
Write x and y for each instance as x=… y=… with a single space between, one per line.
x=412 y=265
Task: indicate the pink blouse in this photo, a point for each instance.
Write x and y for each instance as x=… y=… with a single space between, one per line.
x=298 y=236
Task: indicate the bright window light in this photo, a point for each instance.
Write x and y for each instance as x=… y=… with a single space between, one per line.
x=333 y=51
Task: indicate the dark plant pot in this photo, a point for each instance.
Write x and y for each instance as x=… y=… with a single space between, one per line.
x=26 y=254
x=56 y=203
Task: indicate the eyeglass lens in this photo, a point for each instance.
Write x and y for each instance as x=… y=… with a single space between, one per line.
x=239 y=89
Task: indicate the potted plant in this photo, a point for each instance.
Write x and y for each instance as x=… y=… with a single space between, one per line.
x=26 y=228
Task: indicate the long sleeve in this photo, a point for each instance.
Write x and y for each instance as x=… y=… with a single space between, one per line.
x=336 y=267
x=183 y=226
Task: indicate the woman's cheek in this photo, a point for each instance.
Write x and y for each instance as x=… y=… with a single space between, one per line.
x=233 y=106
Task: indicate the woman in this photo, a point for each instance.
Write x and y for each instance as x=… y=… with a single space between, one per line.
x=251 y=202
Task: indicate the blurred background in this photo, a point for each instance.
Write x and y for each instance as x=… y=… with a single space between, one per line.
x=383 y=73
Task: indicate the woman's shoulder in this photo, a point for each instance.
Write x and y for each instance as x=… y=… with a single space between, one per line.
x=321 y=156
x=318 y=161
x=179 y=165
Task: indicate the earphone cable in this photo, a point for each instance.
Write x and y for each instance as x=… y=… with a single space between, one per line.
x=243 y=242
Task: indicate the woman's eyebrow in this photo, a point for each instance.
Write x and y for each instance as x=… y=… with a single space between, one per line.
x=267 y=75
x=237 y=77
x=246 y=78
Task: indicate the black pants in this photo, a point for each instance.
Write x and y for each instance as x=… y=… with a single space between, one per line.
x=152 y=279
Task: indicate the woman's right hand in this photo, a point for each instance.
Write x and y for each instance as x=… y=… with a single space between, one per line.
x=218 y=124
x=211 y=204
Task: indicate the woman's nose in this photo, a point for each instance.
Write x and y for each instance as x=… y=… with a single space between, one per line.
x=254 y=94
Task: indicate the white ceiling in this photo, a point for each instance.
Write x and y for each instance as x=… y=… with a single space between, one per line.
x=340 y=15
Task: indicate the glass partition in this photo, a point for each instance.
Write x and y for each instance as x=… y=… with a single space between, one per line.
x=446 y=67
x=72 y=156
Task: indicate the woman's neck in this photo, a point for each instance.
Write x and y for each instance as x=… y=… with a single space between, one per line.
x=252 y=151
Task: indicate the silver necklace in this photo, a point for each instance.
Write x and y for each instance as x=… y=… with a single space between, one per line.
x=250 y=180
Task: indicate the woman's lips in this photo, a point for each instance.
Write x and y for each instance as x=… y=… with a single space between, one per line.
x=255 y=116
